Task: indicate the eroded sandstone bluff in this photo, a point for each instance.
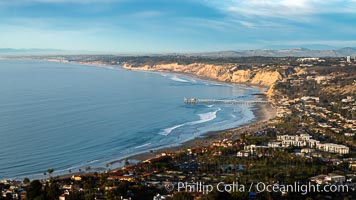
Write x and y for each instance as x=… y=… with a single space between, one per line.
x=266 y=76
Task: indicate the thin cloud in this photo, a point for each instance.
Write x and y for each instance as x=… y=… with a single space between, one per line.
x=286 y=9
x=247 y=24
x=218 y=25
x=336 y=43
x=148 y=14
x=26 y=2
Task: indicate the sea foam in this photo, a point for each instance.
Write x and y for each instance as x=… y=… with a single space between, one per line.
x=204 y=117
x=142 y=145
x=175 y=78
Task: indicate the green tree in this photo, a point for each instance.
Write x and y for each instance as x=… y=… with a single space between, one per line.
x=76 y=196
x=183 y=196
x=127 y=162
x=34 y=190
x=50 y=171
x=52 y=191
x=26 y=181
x=88 y=168
x=216 y=195
x=89 y=196
x=8 y=196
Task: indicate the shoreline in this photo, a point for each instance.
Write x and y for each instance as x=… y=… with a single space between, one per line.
x=262 y=113
x=262 y=88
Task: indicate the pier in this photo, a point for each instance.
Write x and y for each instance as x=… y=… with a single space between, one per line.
x=227 y=101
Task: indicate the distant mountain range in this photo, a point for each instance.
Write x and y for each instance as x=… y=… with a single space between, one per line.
x=305 y=46
x=36 y=51
x=10 y=51
x=295 y=52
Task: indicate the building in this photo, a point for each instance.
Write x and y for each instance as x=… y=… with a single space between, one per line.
x=348 y=59
x=308 y=99
x=243 y=153
x=328 y=179
x=321 y=79
x=76 y=178
x=253 y=147
x=352 y=165
x=307 y=150
x=62 y=197
x=304 y=140
x=293 y=143
x=335 y=178
x=349 y=134
x=274 y=144
x=294 y=140
x=333 y=148
x=303 y=137
x=349 y=99
x=312 y=143
x=161 y=197
x=306 y=60
x=319 y=179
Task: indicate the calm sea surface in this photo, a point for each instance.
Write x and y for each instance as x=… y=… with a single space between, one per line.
x=68 y=116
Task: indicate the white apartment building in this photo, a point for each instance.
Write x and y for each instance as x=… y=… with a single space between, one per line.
x=294 y=140
x=348 y=59
x=333 y=148
x=313 y=143
x=304 y=140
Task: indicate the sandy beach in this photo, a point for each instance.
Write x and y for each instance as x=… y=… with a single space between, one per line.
x=262 y=112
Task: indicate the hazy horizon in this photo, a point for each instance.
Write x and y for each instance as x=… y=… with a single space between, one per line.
x=49 y=51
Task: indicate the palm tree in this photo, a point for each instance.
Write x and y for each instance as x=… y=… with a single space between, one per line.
x=127 y=162
x=26 y=181
x=50 y=171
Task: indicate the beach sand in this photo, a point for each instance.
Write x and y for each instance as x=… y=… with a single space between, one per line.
x=262 y=112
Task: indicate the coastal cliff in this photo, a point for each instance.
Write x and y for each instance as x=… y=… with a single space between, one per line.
x=261 y=76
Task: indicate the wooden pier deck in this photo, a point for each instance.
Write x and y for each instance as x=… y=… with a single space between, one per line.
x=227 y=101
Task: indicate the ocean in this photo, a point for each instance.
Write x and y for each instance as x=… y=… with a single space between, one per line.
x=68 y=116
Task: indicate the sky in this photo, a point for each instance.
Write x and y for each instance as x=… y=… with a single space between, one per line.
x=167 y=26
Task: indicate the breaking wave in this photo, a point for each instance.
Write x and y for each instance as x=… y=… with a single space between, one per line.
x=175 y=78
x=142 y=145
x=204 y=117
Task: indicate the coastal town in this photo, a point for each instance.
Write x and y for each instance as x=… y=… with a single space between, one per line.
x=308 y=137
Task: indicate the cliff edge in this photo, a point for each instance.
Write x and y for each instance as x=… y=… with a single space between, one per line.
x=266 y=76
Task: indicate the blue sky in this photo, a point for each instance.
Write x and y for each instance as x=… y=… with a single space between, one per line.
x=162 y=26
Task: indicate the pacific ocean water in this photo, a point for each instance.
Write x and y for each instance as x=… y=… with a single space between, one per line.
x=68 y=116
